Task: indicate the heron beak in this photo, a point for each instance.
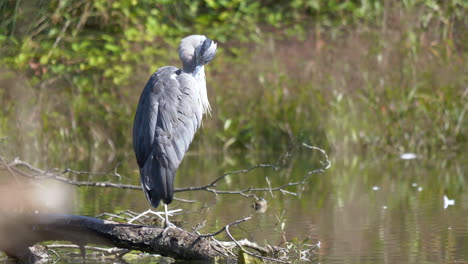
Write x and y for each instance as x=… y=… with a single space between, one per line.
x=205 y=47
x=204 y=54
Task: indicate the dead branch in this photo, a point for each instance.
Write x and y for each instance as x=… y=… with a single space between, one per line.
x=226 y=226
x=15 y=168
x=248 y=252
x=26 y=230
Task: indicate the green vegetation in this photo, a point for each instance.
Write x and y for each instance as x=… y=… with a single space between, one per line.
x=379 y=76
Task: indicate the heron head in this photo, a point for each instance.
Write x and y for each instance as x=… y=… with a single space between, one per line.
x=196 y=50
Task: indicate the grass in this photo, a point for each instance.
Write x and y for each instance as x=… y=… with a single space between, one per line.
x=364 y=90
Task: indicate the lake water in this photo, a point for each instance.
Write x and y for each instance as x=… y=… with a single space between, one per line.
x=361 y=210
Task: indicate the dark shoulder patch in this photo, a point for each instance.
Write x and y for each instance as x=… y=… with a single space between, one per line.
x=178 y=72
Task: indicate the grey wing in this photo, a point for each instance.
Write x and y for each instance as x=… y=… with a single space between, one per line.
x=164 y=126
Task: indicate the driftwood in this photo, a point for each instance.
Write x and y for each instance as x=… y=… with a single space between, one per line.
x=18 y=234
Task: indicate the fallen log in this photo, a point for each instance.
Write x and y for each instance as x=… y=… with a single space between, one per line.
x=18 y=234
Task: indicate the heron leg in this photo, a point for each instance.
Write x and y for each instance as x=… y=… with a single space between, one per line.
x=167 y=224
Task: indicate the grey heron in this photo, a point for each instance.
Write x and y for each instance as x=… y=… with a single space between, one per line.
x=169 y=113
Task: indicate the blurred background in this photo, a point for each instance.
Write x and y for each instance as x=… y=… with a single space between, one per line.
x=382 y=86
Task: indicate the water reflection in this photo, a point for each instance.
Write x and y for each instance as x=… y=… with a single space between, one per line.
x=362 y=210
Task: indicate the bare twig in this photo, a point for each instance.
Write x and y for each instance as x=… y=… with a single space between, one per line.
x=326 y=164
x=39 y=174
x=246 y=243
x=59 y=37
x=227 y=246
x=226 y=226
x=50 y=173
x=112 y=216
x=106 y=251
x=248 y=192
x=242 y=243
x=248 y=252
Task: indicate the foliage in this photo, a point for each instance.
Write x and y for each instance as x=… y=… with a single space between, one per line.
x=71 y=71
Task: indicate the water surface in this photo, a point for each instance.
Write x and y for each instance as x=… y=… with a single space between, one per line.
x=361 y=210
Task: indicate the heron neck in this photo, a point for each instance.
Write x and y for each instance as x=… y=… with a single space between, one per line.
x=188 y=67
x=201 y=80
